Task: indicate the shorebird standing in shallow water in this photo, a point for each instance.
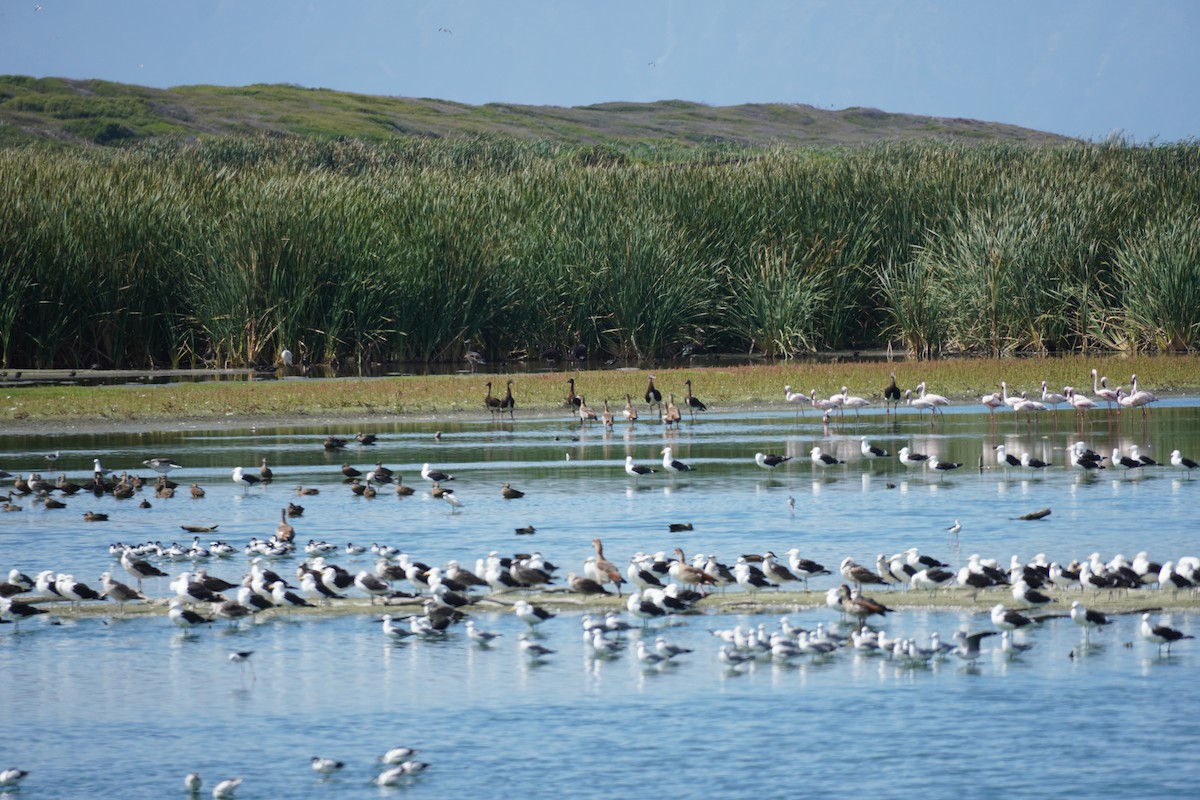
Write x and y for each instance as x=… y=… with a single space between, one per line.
x=770 y=460
x=1087 y=618
x=1161 y=634
x=242 y=658
x=671 y=464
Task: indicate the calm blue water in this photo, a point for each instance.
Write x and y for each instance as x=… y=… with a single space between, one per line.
x=107 y=707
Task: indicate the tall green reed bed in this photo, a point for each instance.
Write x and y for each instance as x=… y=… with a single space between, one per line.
x=230 y=250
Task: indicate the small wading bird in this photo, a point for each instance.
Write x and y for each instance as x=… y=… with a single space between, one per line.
x=795 y=398
x=508 y=403
x=491 y=402
x=891 y=395
x=693 y=403
x=653 y=395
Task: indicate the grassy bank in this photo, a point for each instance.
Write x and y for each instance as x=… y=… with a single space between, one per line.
x=964 y=379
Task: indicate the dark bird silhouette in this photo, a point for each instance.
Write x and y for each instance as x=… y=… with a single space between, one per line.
x=691 y=401
x=490 y=402
x=573 y=400
x=891 y=395
x=653 y=395
x=508 y=404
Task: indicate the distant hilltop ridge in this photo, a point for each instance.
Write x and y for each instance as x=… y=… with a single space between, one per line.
x=95 y=112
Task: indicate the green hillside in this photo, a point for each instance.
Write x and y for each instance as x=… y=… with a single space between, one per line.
x=100 y=112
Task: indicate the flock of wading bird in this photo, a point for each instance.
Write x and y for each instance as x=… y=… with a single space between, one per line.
x=663 y=586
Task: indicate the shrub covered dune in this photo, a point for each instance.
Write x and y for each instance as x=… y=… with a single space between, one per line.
x=225 y=251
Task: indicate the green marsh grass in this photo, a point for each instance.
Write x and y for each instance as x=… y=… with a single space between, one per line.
x=226 y=251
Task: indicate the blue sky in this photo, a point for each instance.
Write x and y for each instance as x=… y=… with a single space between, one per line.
x=1084 y=68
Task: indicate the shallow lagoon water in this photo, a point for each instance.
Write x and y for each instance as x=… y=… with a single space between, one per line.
x=111 y=707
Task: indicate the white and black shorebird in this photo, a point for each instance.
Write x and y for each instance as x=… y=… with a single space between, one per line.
x=669 y=649
x=390 y=628
x=400 y=774
x=530 y=614
x=398 y=755
x=326 y=766
x=637 y=470
x=226 y=789
x=750 y=577
x=1011 y=648
x=246 y=480
x=75 y=591
x=1004 y=458
x=1029 y=597
x=915 y=559
x=480 y=637
x=1184 y=463
x=1136 y=454
x=1161 y=634
x=1008 y=620
x=435 y=475
x=1029 y=462
x=192 y=591
x=770 y=460
x=804 y=568
x=649 y=658
x=1087 y=619
x=640 y=574
x=671 y=464
x=285 y=599
x=871 y=451
x=242 y=658
x=183 y=617
x=931 y=579
x=911 y=459
x=823 y=459
x=1125 y=461
x=532 y=649
x=371 y=585
x=192 y=782
x=11 y=777
x=162 y=465
x=941 y=467
x=643 y=609
x=18 y=610
x=317 y=590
